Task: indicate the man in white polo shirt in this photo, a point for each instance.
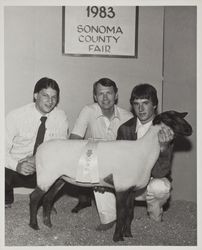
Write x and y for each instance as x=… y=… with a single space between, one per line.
x=100 y=120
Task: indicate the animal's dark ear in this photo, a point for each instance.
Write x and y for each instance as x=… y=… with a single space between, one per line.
x=183 y=114
x=179 y=114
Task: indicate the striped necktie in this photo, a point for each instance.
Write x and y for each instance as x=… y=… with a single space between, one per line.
x=40 y=134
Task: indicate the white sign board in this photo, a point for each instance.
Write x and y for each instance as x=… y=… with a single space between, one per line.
x=100 y=30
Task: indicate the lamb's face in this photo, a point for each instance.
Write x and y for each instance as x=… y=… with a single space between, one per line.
x=175 y=120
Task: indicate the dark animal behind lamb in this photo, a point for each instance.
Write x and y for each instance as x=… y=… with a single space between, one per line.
x=176 y=121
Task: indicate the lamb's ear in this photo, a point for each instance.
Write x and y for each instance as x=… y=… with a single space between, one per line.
x=183 y=114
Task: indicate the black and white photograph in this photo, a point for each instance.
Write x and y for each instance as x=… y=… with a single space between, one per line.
x=100 y=114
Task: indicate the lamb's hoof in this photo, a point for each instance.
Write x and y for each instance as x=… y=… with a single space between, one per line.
x=128 y=234
x=118 y=238
x=34 y=226
x=105 y=227
x=47 y=223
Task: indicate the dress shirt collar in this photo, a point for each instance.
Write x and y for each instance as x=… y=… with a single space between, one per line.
x=142 y=128
x=100 y=114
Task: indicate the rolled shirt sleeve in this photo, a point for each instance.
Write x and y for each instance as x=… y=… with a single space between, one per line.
x=82 y=121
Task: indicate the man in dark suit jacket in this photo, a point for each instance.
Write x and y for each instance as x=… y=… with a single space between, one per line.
x=144 y=104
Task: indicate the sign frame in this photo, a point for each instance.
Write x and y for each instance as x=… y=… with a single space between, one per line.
x=66 y=50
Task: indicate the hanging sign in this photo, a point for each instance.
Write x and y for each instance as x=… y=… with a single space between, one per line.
x=100 y=30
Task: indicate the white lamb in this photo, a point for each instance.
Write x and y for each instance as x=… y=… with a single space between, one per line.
x=129 y=163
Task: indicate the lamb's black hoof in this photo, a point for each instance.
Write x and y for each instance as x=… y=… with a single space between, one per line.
x=118 y=238
x=105 y=227
x=128 y=234
x=47 y=223
x=34 y=226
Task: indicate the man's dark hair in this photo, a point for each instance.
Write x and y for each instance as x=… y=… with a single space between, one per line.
x=144 y=91
x=45 y=83
x=105 y=82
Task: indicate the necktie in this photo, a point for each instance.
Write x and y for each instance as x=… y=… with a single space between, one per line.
x=40 y=134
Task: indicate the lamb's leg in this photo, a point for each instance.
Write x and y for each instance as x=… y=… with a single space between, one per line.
x=48 y=201
x=121 y=198
x=129 y=213
x=35 y=198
